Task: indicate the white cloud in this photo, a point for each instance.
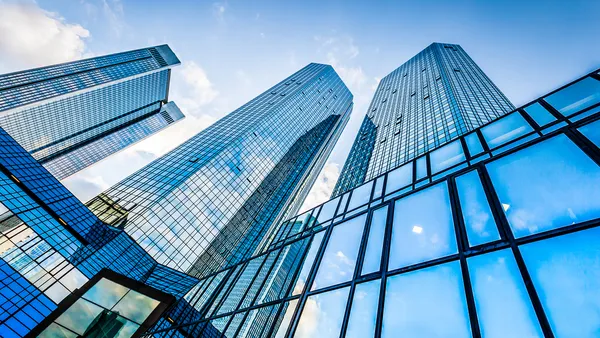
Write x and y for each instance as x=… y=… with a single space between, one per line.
x=321 y=190
x=114 y=13
x=218 y=10
x=339 y=52
x=33 y=37
x=192 y=89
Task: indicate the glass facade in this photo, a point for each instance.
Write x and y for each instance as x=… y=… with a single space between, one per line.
x=431 y=99
x=71 y=115
x=496 y=238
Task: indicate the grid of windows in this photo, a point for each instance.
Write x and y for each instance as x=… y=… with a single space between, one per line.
x=431 y=99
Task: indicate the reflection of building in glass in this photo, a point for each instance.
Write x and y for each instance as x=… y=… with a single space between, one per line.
x=72 y=115
x=209 y=202
x=434 y=97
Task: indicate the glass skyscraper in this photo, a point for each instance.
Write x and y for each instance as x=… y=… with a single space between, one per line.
x=209 y=203
x=434 y=97
x=71 y=115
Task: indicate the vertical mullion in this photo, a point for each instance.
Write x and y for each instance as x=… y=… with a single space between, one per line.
x=384 y=265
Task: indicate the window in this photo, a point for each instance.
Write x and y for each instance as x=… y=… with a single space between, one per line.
x=578 y=96
x=363 y=314
x=476 y=212
x=421 y=168
x=399 y=178
x=288 y=309
x=592 y=132
x=323 y=314
x=426 y=303
x=546 y=186
x=361 y=195
x=423 y=229
x=446 y=156
x=328 y=210
x=506 y=129
x=539 y=114
x=474 y=145
x=339 y=258
x=308 y=262
x=372 y=259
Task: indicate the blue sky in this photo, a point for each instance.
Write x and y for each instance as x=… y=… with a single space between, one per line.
x=233 y=50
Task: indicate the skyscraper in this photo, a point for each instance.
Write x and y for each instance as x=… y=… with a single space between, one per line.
x=71 y=115
x=434 y=97
x=210 y=202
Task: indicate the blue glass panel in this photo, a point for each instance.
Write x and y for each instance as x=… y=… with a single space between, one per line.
x=135 y=306
x=328 y=210
x=446 y=156
x=308 y=262
x=476 y=212
x=360 y=195
x=378 y=187
x=547 y=186
x=576 y=97
x=506 y=129
x=426 y=303
x=363 y=315
x=503 y=305
x=79 y=316
x=566 y=274
x=372 y=260
x=323 y=314
x=288 y=312
x=474 y=144
x=55 y=331
x=421 y=167
x=423 y=227
x=539 y=114
x=592 y=132
x=339 y=258
x=399 y=178
x=106 y=293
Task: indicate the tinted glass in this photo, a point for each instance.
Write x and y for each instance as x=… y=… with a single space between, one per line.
x=360 y=195
x=506 y=129
x=575 y=97
x=323 y=314
x=426 y=303
x=592 y=132
x=421 y=167
x=79 y=316
x=289 y=309
x=339 y=258
x=308 y=262
x=328 y=210
x=378 y=187
x=423 y=227
x=566 y=274
x=363 y=315
x=56 y=331
x=474 y=144
x=476 y=212
x=372 y=260
x=503 y=305
x=446 y=156
x=546 y=186
x=399 y=178
x=539 y=114
x=106 y=293
x=136 y=306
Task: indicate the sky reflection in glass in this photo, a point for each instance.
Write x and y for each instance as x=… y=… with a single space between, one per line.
x=372 y=259
x=136 y=306
x=446 y=156
x=421 y=167
x=363 y=315
x=308 y=262
x=399 y=178
x=339 y=258
x=506 y=129
x=476 y=212
x=546 y=186
x=423 y=227
x=323 y=314
x=474 y=144
x=539 y=114
x=503 y=305
x=592 y=132
x=426 y=303
x=575 y=97
x=287 y=318
x=106 y=293
x=328 y=210
x=566 y=274
x=79 y=316
x=360 y=195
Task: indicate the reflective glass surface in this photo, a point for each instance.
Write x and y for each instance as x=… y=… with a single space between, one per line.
x=360 y=195
x=421 y=167
x=423 y=227
x=548 y=185
x=446 y=156
x=565 y=271
x=539 y=114
x=106 y=293
x=506 y=129
x=592 y=132
x=363 y=315
x=288 y=312
x=399 y=178
x=323 y=314
x=56 y=331
x=328 y=210
x=372 y=259
x=308 y=262
x=477 y=215
x=426 y=303
x=575 y=97
x=79 y=316
x=474 y=144
x=136 y=306
x=339 y=258
x=503 y=305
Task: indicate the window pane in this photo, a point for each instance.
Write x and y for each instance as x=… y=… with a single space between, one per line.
x=399 y=178
x=289 y=309
x=308 y=262
x=372 y=260
x=378 y=187
x=136 y=307
x=547 y=186
x=360 y=195
x=328 y=210
x=506 y=129
x=474 y=144
x=79 y=316
x=575 y=97
x=476 y=212
x=106 y=293
x=361 y=323
x=426 y=303
x=566 y=274
x=539 y=114
x=423 y=227
x=323 y=314
x=592 y=132
x=503 y=305
x=446 y=156
x=339 y=258
x=421 y=168
x=342 y=206
x=56 y=331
